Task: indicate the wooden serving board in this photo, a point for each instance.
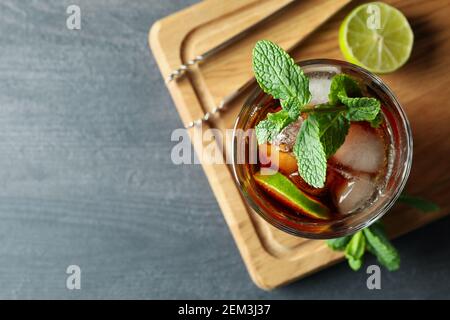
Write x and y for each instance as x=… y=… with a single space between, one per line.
x=273 y=257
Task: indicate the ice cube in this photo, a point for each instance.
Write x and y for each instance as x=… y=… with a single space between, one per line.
x=285 y=140
x=351 y=194
x=363 y=149
x=319 y=88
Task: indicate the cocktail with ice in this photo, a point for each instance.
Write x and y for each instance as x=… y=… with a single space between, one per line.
x=352 y=121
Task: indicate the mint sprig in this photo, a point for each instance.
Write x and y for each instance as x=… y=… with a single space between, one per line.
x=376 y=240
x=372 y=239
x=332 y=126
x=326 y=126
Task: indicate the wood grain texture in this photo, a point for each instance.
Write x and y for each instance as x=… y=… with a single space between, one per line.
x=86 y=177
x=271 y=256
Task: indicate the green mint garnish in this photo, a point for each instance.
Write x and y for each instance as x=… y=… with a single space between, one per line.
x=345 y=86
x=333 y=128
x=418 y=203
x=381 y=247
x=310 y=153
x=321 y=134
x=278 y=75
x=376 y=241
x=361 y=109
x=293 y=106
x=268 y=129
x=346 y=90
x=326 y=126
x=372 y=239
x=339 y=244
x=354 y=251
x=377 y=121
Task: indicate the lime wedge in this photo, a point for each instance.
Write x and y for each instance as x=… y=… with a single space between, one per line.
x=281 y=188
x=376 y=36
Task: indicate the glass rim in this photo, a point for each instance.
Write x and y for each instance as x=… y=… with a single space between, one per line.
x=256 y=91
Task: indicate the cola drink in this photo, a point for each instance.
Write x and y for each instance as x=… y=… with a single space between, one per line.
x=364 y=176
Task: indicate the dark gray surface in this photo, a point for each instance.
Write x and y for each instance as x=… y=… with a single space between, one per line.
x=86 y=176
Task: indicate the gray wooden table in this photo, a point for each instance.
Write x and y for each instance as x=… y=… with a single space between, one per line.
x=86 y=177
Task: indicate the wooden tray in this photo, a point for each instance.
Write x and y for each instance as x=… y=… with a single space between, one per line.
x=273 y=257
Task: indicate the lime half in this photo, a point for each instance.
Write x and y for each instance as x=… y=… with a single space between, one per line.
x=377 y=37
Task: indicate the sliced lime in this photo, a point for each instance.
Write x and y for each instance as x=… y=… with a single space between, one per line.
x=377 y=37
x=285 y=191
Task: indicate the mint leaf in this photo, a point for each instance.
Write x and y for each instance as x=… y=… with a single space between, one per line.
x=320 y=136
x=344 y=85
x=292 y=106
x=355 y=264
x=354 y=251
x=338 y=244
x=264 y=130
x=361 y=109
x=381 y=246
x=267 y=129
x=345 y=90
x=377 y=121
x=418 y=203
x=311 y=158
x=369 y=247
x=333 y=128
x=278 y=75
